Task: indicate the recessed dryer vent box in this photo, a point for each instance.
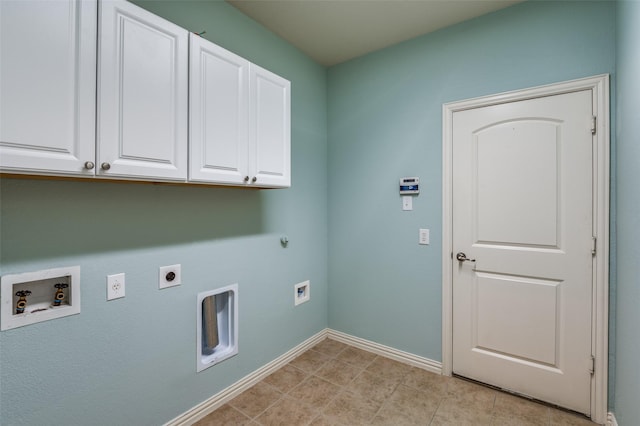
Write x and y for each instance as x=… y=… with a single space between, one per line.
x=38 y=296
x=217 y=326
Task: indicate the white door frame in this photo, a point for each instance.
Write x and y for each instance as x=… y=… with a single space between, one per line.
x=600 y=318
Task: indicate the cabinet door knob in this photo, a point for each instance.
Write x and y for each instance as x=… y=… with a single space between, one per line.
x=246 y=178
x=89 y=165
x=105 y=166
x=254 y=179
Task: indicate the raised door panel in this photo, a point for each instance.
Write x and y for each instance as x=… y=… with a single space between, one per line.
x=142 y=96
x=47 y=86
x=218 y=114
x=269 y=129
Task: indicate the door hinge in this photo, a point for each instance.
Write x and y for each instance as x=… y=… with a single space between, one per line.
x=594 y=124
x=592 y=365
x=594 y=242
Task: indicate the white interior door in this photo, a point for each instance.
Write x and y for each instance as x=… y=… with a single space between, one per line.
x=522 y=213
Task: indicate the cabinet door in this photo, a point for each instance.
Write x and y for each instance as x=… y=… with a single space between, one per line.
x=269 y=129
x=47 y=86
x=142 y=94
x=218 y=114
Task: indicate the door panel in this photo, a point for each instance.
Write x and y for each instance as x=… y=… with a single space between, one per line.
x=48 y=86
x=524 y=180
x=507 y=304
x=143 y=92
x=522 y=208
x=219 y=97
x=270 y=129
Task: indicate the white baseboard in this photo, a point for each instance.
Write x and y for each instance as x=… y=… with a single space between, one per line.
x=611 y=419
x=206 y=407
x=387 y=351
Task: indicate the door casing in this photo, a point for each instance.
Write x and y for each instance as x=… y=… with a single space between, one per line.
x=600 y=310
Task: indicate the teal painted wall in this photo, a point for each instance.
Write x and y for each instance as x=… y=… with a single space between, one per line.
x=132 y=361
x=385 y=122
x=627 y=379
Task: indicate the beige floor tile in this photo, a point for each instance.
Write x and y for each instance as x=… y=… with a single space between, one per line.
x=322 y=420
x=256 y=399
x=510 y=410
x=287 y=411
x=468 y=392
x=225 y=415
x=315 y=391
x=563 y=418
x=286 y=378
x=338 y=372
x=388 y=368
x=356 y=356
x=516 y=420
x=389 y=417
x=310 y=361
x=418 y=405
x=373 y=387
x=330 y=347
x=454 y=411
x=334 y=384
x=351 y=409
x=426 y=381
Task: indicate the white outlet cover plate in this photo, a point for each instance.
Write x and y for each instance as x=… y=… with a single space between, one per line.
x=163 y=282
x=115 y=286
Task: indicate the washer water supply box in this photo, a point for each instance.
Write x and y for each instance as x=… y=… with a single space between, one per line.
x=38 y=296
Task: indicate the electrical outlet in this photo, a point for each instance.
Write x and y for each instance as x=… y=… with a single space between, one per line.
x=115 y=286
x=169 y=276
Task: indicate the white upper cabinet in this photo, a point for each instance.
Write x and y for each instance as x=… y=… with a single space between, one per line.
x=218 y=114
x=158 y=115
x=47 y=86
x=142 y=95
x=269 y=129
x=239 y=120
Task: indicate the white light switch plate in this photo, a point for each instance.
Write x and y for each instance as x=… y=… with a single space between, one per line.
x=407 y=203
x=423 y=237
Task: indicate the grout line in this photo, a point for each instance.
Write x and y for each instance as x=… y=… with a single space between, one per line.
x=263 y=411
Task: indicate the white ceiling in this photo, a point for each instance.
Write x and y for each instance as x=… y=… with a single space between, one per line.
x=334 y=31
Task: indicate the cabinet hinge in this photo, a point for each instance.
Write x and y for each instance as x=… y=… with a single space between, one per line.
x=594 y=124
x=592 y=365
x=594 y=242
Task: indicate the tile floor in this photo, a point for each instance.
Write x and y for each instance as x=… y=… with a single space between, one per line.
x=337 y=384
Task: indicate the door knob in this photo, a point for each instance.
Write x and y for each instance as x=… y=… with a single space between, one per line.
x=89 y=165
x=463 y=257
x=105 y=166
